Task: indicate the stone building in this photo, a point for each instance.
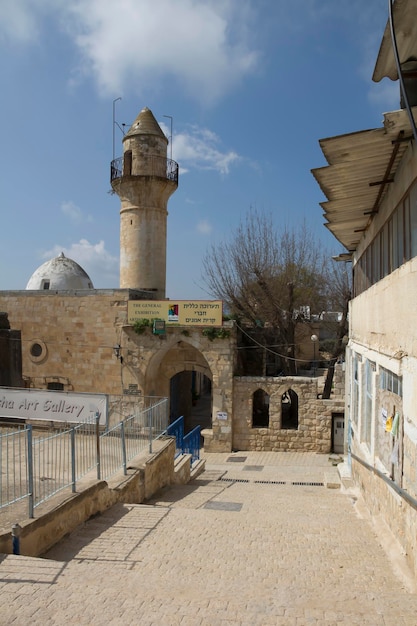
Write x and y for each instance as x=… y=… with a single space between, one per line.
x=78 y=338
x=10 y=354
x=371 y=208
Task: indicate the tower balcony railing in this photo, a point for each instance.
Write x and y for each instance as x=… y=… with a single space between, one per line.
x=152 y=166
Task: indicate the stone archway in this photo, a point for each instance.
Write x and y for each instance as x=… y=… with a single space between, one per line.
x=182 y=374
x=152 y=361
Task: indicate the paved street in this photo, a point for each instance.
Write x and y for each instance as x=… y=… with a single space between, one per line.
x=258 y=539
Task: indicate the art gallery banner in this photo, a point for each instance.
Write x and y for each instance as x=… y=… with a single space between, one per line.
x=56 y=406
x=177 y=312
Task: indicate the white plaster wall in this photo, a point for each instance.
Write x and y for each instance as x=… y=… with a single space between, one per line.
x=383 y=317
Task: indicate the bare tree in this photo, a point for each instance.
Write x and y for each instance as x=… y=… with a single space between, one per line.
x=339 y=285
x=266 y=277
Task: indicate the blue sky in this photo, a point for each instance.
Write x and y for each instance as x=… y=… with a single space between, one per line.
x=251 y=86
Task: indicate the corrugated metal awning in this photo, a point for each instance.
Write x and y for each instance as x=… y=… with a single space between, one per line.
x=361 y=167
x=404 y=14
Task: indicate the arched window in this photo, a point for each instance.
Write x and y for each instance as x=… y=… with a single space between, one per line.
x=56 y=386
x=127 y=163
x=260 y=409
x=289 y=410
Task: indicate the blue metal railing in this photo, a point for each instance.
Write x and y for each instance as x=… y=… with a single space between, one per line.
x=176 y=429
x=191 y=444
x=185 y=444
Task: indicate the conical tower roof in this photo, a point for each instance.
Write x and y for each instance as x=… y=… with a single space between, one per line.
x=145 y=124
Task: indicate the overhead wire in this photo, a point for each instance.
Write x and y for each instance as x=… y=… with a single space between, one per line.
x=256 y=343
x=260 y=345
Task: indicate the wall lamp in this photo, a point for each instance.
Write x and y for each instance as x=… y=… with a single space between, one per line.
x=117 y=352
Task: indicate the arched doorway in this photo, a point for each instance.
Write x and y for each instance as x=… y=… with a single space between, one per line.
x=191 y=396
x=182 y=373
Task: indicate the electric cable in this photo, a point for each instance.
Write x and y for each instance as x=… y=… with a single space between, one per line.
x=260 y=345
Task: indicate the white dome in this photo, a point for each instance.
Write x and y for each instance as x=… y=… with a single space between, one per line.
x=60 y=273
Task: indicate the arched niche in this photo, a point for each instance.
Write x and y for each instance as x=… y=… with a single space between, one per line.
x=289 y=410
x=260 y=409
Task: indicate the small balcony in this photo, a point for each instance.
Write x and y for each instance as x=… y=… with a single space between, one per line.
x=148 y=166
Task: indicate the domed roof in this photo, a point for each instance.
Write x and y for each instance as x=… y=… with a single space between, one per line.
x=60 y=273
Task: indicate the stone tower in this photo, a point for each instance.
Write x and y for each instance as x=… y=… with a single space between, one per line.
x=144 y=179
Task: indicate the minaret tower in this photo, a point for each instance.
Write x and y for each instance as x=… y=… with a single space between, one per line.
x=144 y=179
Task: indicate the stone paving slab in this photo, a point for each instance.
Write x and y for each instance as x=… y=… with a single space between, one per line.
x=292 y=555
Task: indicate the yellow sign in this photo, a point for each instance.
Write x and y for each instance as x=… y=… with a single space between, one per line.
x=177 y=312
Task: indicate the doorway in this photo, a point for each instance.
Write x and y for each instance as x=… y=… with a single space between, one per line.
x=338 y=432
x=191 y=397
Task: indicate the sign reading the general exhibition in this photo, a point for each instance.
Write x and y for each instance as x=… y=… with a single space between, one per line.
x=177 y=312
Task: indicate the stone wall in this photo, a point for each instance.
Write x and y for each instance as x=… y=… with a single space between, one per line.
x=314 y=430
x=68 y=337
x=314 y=416
x=409 y=444
x=387 y=505
x=10 y=354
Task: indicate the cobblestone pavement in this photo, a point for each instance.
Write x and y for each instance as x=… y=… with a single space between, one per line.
x=256 y=540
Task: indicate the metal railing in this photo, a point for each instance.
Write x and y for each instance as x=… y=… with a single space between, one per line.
x=176 y=429
x=185 y=444
x=131 y=436
x=36 y=467
x=14 y=466
x=59 y=460
x=152 y=166
x=191 y=444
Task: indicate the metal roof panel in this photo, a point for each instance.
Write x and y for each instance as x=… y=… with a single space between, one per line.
x=361 y=166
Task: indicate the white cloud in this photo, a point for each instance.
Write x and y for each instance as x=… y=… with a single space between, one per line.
x=198 y=148
x=140 y=42
x=204 y=227
x=100 y=265
x=21 y=20
x=18 y=22
x=74 y=213
x=136 y=45
x=207 y=47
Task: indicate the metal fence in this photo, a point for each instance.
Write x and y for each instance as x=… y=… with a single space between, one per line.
x=152 y=165
x=176 y=429
x=131 y=436
x=185 y=444
x=14 y=466
x=191 y=443
x=36 y=467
